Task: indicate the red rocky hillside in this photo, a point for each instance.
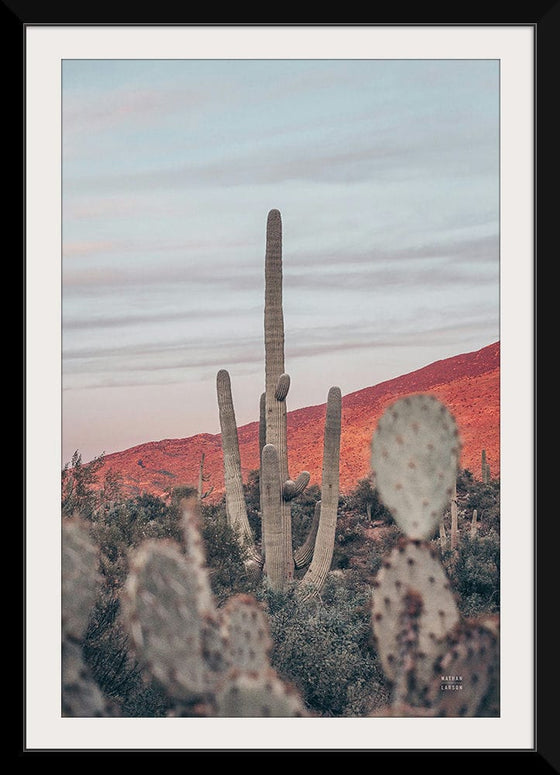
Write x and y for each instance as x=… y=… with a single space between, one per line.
x=468 y=385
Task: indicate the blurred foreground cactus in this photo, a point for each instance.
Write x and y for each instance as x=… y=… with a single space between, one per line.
x=277 y=488
x=80 y=579
x=437 y=663
x=208 y=661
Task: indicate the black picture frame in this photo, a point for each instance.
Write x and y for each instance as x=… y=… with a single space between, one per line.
x=16 y=16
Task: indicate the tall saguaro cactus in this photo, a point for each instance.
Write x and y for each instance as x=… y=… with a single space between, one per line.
x=277 y=488
x=277 y=383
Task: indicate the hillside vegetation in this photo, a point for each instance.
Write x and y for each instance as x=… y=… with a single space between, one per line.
x=324 y=648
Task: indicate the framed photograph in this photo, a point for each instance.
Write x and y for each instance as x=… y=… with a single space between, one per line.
x=391 y=167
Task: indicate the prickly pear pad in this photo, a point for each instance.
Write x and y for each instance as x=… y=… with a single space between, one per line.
x=412 y=569
x=255 y=695
x=247 y=633
x=468 y=671
x=160 y=603
x=80 y=577
x=415 y=457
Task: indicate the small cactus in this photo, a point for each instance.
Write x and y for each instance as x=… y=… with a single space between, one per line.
x=474 y=523
x=454 y=518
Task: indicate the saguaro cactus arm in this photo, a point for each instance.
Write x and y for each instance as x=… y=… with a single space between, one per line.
x=282 y=387
x=292 y=489
x=304 y=554
x=236 y=507
x=316 y=574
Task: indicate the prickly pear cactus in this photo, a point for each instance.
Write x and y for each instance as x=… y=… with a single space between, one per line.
x=415 y=456
x=466 y=680
x=168 y=620
x=208 y=661
x=80 y=579
x=252 y=696
x=246 y=633
x=437 y=664
x=412 y=570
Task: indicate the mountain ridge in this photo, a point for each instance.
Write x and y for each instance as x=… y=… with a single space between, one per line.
x=468 y=383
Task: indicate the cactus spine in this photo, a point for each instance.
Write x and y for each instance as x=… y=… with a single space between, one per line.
x=277 y=488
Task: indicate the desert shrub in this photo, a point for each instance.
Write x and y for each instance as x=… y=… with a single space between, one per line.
x=225 y=556
x=485 y=498
x=323 y=647
x=78 y=482
x=364 y=500
x=348 y=539
x=385 y=540
x=251 y=491
x=119 y=528
x=474 y=571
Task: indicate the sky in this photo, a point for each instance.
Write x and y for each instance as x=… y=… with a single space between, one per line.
x=386 y=174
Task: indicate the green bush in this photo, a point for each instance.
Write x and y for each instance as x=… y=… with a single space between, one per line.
x=225 y=556
x=324 y=649
x=474 y=571
x=106 y=653
x=364 y=500
x=485 y=498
